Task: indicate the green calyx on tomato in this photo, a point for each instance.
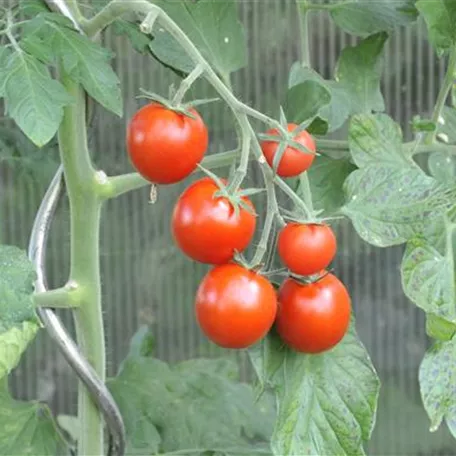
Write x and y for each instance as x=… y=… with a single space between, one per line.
x=207 y=227
x=235 y=307
x=290 y=154
x=306 y=249
x=314 y=317
x=166 y=146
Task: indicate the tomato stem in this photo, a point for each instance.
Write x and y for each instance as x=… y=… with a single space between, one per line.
x=65 y=297
x=186 y=84
x=85 y=207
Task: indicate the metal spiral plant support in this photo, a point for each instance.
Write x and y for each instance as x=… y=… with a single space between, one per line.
x=54 y=326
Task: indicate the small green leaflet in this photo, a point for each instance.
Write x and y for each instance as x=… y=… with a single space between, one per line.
x=440 y=17
x=389 y=199
x=27 y=428
x=359 y=71
x=32 y=98
x=326 y=403
x=363 y=17
x=337 y=111
x=439 y=328
x=428 y=270
x=196 y=406
x=437 y=383
x=327 y=177
x=356 y=88
x=305 y=100
x=213 y=27
x=18 y=322
x=84 y=61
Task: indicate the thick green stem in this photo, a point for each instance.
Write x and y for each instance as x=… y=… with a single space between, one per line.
x=447 y=85
x=303 y=9
x=85 y=208
x=118 y=185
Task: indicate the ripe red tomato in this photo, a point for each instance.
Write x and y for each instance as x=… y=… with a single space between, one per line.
x=314 y=317
x=165 y=146
x=235 y=307
x=306 y=249
x=208 y=229
x=293 y=161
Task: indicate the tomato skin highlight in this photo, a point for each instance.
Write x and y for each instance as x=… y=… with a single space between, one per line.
x=165 y=146
x=293 y=161
x=306 y=249
x=207 y=229
x=313 y=318
x=235 y=307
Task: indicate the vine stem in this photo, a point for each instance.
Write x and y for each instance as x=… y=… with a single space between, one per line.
x=445 y=89
x=303 y=11
x=85 y=207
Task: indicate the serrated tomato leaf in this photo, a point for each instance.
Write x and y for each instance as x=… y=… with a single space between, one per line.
x=326 y=403
x=336 y=112
x=376 y=138
x=18 y=321
x=389 y=205
x=440 y=17
x=214 y=28
x=195 y=405
x=327 y=177
x=427 y=270
x=364 y=17
x=359 y=70
x=27 y=428
x=85 y=61
x=32 y=98
x=437 y=382
x=305 y=100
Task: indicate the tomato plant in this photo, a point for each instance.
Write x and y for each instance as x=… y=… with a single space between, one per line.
x=306 y=249
x=313 y=317
x=207 y=227
x=235 y=307
x=319 y=386
x=165 y=146
x=293 y=161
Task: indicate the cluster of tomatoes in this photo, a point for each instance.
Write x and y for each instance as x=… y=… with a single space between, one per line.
x=235 y=306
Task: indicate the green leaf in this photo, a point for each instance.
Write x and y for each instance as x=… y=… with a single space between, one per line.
x=138 y=40
x=337 y=111
x=84 y=61
x=428 y=270
x=5 y=55
x=327 y=177
x=437 y=382
x=27 y=428
x=442 y=166
x=305 y=100
x=389 y=205
x=214 y=28
x=439 y=328
x=33 y=99
x=326 y=403
x=197 y=404
x=376 y=138
x=70 y=424
x=364 y=17
x=359 y=71
x=18 y=322
x=32 y=8
x=440 y=17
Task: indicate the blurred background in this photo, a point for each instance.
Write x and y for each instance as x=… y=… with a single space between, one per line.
x=147 y=281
